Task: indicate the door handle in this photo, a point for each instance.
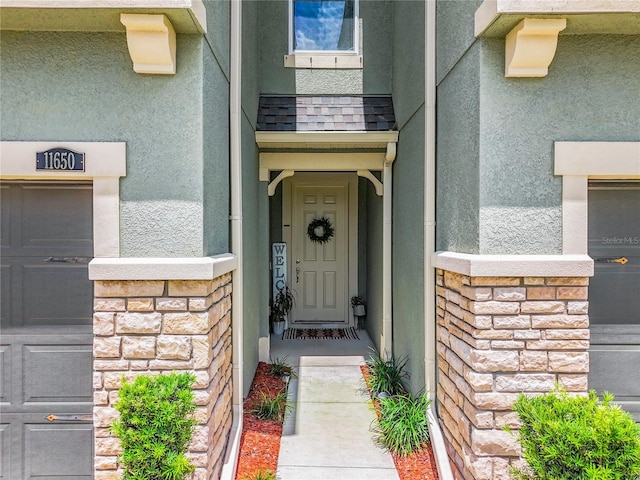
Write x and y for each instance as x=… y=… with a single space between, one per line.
x=621 y=260
x=69 y=418
x=67 y=260
x=297 y=274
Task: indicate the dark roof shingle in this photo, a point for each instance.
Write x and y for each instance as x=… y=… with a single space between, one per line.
x=324 y=113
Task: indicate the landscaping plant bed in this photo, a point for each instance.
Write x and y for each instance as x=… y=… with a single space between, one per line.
x=260 y=441
x=419 y=465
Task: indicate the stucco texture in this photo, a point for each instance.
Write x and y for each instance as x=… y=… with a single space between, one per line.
x=374 y=78
x=373 y=238
x=454 y=34
x=215 y=130
x=255 y=204
x=457 y=153
x=590 y=93
x=408 y=250
x=408 y=188
x=81 y=87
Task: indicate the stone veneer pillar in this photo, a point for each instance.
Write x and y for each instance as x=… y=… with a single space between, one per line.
x=150 y=327
x=497 y=337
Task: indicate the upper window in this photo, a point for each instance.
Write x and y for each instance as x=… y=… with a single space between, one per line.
x=329 y=26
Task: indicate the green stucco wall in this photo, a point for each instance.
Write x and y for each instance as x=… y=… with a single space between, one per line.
x=374 y=78
x=408 y=188
x=458 y=123
x=215 y=129
x=454 y=32
x=457 y=153
x=592 y=92
x=255 y=214
x=81 y=87
x=497 y=193
x=373 y=238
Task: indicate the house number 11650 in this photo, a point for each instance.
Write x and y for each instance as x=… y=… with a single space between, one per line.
x=60 y=159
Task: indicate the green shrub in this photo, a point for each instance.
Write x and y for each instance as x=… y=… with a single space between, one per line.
x=262 y=475
x=155 y=426
x=403 y=426
x=386 y=375
x=577 y=438
x=280 y=366
x=272 y=408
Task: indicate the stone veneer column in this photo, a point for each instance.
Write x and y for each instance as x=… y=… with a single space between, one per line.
x=150 y=327
x=497 y=337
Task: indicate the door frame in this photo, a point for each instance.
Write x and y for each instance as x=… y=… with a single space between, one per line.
x=316 y=179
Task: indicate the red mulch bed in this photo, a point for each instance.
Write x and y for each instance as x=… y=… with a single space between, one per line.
x=260 y=442
x=420 y=465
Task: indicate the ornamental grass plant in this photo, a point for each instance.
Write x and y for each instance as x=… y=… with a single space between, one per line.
x=155 y=426
x=275 y=408
x=262 y=475
x=402 y=427
x=386 y=375
x=280 y=367
x=568 y=437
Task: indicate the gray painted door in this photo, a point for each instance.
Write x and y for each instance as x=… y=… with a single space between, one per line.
x=46 y=344
x=614 y=291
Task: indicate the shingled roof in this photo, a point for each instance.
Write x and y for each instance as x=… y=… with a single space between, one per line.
x=325 y=114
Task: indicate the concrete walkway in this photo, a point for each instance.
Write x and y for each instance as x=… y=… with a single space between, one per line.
x=328 y=434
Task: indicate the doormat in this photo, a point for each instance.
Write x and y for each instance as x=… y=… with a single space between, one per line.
x=320 y=333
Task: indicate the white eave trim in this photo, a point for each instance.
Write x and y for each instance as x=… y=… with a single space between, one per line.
x=340 y=152
x=196 y=8
x=514 y=265
x=274 y=139
x=196 y=268
x=491 y=10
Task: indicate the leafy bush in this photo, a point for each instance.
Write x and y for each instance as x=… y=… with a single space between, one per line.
x=272 y=408
x=577 y=438
x=155 y=426
x=386 y=375
x=403 y=426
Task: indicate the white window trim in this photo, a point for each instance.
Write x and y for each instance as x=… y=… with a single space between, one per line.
x=325 y=59
x=578 y=162
x=105 y=163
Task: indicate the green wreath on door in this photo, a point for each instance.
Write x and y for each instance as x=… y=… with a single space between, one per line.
x=320 y=230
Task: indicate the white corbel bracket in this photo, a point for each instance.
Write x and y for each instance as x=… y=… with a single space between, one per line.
x=271 y=189
x=372 y=178
x=152 y=43
x=531 y=45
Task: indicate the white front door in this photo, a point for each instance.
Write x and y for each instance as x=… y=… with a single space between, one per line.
x=319 y=272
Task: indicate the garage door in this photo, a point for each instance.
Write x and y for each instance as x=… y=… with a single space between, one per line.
x=46 y=316
x=614 y=292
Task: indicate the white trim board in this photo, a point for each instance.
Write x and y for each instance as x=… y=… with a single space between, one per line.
x=105 y=163
x=577 y=162
x=196 y=268
x=514 y=265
